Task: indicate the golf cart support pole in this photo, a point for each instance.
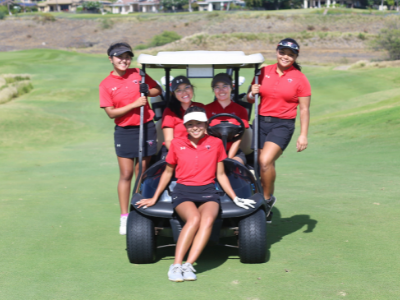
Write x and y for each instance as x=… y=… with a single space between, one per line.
x=139 y=175
x=236 y=84
x=255 y=129
x=167 y=84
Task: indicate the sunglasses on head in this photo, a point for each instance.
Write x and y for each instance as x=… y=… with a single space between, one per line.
x=290 y=45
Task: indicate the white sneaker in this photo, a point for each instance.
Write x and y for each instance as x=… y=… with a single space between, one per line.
x=122 y=225
x=175 y=273
x=187 y=271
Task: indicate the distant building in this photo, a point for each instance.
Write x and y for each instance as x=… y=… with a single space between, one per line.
x=210 y=5
x=130 y=6
x=64 y=5
x=331 y=3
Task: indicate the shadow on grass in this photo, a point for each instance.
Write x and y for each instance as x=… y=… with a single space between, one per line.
x=281 y=227
x=214 y=256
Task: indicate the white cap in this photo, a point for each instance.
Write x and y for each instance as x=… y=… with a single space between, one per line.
x=196 y=115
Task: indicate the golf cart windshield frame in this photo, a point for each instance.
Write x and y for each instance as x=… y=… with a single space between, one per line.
x=229 y=60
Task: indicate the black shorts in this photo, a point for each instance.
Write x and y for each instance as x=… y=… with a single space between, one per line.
x=278 y=131
x=126 y=140
x=197 y=194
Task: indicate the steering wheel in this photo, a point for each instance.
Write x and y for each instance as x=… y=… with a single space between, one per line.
x=226 y=131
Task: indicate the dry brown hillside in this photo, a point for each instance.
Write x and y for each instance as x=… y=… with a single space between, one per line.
x=324 y=39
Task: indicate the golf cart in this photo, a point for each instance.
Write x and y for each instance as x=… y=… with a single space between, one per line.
x=248 y=225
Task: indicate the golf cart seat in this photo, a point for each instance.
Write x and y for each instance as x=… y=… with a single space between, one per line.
x=240 y=177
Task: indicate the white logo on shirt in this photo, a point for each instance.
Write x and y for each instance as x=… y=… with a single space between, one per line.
x=213 y=113
x=114 y=89
x=267 y=76
x=290 y=80
x=183 y=148
x=118 y=145
x=135 y=81
x=208 y=147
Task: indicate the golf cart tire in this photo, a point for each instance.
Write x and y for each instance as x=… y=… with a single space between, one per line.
x=140 y=239
x=252 y=238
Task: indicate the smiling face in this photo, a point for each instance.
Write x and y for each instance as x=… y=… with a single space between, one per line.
x=184 y=93
x=222 y=91
x=121 y=63
x=196 y=129
x=285 y=58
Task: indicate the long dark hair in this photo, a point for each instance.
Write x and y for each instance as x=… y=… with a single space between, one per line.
x=295 y=64
x=175 y=106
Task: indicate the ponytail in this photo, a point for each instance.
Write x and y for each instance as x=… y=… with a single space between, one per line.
x=297 y=66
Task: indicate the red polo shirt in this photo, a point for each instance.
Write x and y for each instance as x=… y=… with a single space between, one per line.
x=196 y=166
x=171 y=120
x=280 y=94
x=117 y=91
x=233 y=108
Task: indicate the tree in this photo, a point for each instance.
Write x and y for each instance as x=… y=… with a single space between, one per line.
x=173 y=4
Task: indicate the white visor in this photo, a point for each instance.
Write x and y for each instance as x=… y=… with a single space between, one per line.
x=196 y=115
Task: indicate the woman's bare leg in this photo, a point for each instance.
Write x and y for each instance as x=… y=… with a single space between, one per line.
x=238 y=159
x=189 y=213
x=124 y=183
x=268 y=155
x=145 y=164
x=208 y=213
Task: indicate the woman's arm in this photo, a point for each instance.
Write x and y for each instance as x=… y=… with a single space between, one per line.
x=168 y=136
x=304 y=104
x=164 y=180
x=255 y=89
x=113 y=112
x=154 y=92
x=224 y=181
x=234 y=149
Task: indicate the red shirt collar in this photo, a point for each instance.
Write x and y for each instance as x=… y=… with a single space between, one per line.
x=201 y=141
x=219 y=104
x=127 y=73
x=286 y=71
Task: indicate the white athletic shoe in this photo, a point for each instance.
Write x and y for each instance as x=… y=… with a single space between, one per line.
x=188 y=272
x=175 y=273
x=122 y=225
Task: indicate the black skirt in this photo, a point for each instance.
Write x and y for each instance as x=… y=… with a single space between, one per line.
x=126 y=140
x=196 y=194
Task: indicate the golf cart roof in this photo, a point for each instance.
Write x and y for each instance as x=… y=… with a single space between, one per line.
x=217 y=59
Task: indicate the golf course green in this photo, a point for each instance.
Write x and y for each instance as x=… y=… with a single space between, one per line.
x=335 y=232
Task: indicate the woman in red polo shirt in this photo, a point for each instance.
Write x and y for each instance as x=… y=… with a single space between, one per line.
x=197 y=160
x=282 y=87
x=222 y=87
x=172 y=121
x=120 y=96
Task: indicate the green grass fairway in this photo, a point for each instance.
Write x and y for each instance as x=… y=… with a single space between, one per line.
x=335 y=233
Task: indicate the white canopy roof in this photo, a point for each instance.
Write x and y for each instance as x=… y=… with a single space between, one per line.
x=218 y=59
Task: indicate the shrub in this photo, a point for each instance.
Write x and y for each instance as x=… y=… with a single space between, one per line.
x=159 y=40
x=141 y=47
x=44 y=18
x=2 y=15
x=106 y=23
x=164 y=38
x=389 y=39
